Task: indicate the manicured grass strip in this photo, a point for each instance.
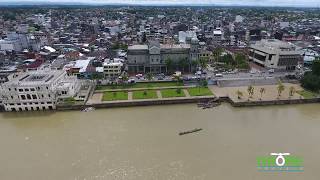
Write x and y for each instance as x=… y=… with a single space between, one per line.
x=147 y=94
x=307 y=94
x=140 y=85
x=112 y=96
x=167 y=93
x=199 y=91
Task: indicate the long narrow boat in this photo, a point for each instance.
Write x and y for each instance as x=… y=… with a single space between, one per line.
x=191 y=131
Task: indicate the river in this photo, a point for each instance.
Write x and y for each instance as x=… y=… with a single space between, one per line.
x=142 y=143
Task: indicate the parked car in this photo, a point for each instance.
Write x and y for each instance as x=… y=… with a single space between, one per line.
x=271 y=70
x=218 y=75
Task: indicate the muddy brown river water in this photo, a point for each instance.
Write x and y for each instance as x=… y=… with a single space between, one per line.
x=142 y=143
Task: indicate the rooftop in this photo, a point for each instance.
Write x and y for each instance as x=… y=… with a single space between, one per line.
x=36 y=77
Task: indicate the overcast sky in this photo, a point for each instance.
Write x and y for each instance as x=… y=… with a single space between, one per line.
x=309 y=3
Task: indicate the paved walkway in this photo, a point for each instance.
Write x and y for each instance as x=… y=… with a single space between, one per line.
x=130 y=95
x=186 y=93
x=159 y=94
x=96 y=98
x=271 y=92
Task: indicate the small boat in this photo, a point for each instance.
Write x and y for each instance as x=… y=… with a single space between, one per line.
x=191 y=131
x=88 y=109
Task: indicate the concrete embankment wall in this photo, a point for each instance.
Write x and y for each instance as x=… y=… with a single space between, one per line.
x=274 y=102
x=137 y=103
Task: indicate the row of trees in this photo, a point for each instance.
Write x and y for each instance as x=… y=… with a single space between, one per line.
x=182 y=65
x=239 y=60
x=280 y=89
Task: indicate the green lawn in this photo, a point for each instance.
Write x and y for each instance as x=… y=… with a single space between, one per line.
x=307 y=94
x=167 y=93
x=199 y=91
x=150 y=94
x=112 y=96
x=140 y=85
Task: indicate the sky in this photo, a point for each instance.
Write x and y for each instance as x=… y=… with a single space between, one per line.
x=299 y=3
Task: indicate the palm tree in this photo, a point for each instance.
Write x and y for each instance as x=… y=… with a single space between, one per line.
x=239 y=94
x=250 y=91
x=280 y=88
x=262 y=91
x=292 y=90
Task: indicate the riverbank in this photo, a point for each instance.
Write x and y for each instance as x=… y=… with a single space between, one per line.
x=221 y=94
x=144 y=102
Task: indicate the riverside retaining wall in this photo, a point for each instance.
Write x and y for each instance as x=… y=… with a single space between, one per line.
x=147 y=102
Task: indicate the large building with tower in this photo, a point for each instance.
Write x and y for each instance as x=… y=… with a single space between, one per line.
x=153 y=56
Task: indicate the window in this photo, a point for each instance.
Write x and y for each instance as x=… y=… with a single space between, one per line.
x=20 y=90
x=23 y=97
x=32 y=89
x=28 y=96
x=26 y=89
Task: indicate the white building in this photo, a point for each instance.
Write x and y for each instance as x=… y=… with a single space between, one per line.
x=239 y=19
x=37 y=90
x=275 y=54
x=183 y=36
x=112 y=68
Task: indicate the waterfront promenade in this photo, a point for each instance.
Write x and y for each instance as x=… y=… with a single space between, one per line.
x=228 y=94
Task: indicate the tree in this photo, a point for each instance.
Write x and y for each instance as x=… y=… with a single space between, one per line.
x=262 y=91
x=194 y=64
x=316 y=67
x=280 y=88
x=241 y=61
x=182 y=64
x=203 y=61
x=217 y=53
x=149 y=76
x=169 y=64
x=125 y=78
x=292 y=90
x=250 y=91
x=239 y=94
x=311 y=80
x=145 y=92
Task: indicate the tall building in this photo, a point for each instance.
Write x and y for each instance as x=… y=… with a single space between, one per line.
x=276 y=54
x=152 y=57
x=37 y=90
